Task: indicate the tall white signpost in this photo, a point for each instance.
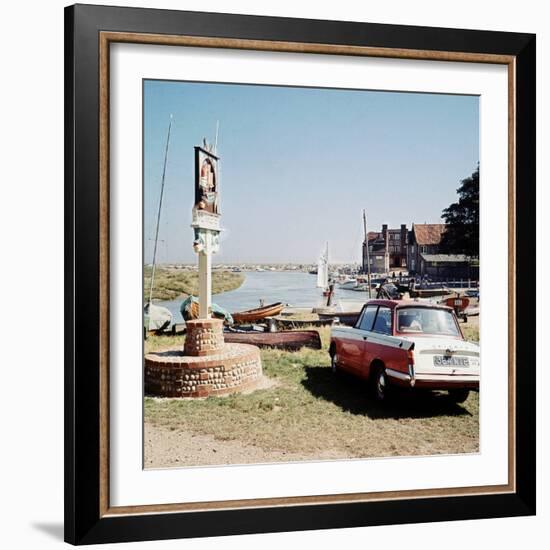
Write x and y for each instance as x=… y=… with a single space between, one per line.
x=206 y=365
x=206 y=221
x=205 y=284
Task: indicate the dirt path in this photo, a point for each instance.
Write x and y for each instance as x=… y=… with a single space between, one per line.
x=165 y=448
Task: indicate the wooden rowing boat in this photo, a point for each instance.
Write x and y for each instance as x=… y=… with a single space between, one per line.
x=348 y=318
x=189 y=309
x=289 y=340
x=286 y=324
x=259 y=313
x=429 y=292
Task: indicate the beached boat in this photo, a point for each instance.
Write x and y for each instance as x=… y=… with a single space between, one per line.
x=190 y=310
x=287 y=324
x=259 y=313
x=348 y=318
x=290 y=340
x=348 y=284
x=363 y=287
x=429 y=292
x=156 y=318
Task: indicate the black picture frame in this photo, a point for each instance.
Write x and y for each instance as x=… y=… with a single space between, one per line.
x=84 y=522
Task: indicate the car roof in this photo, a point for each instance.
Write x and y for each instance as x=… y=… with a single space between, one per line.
x=405 y=303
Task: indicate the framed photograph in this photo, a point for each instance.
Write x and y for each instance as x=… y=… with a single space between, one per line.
x=299 y=270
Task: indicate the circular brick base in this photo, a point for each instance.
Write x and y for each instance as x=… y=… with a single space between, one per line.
x=170 y=373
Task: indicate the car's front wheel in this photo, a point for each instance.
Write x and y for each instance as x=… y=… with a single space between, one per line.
x=459 y=395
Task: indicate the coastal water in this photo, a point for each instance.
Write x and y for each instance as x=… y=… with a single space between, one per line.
x=293 y=288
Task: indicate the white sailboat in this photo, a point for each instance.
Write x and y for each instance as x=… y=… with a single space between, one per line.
x=157 y=317
x=322 y=269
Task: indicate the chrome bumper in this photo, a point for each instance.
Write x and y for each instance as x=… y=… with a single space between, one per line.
x=450 y=379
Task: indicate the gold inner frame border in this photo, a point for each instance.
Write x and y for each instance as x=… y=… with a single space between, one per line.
x=108 y=37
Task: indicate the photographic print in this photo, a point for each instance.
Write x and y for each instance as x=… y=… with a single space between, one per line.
x=278 y=234
x=311 y=274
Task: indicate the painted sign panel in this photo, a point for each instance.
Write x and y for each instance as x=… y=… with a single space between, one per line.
x=206 y=180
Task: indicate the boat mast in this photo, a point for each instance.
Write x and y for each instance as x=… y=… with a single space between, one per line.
x=158 y=214
x=367 y=248
x=327 y=270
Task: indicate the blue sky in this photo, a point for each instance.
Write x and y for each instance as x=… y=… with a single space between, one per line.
x=298 y=165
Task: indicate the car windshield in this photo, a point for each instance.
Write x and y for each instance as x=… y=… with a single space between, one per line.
x=423 y=320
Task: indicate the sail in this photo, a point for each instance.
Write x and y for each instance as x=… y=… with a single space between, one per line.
x=322 y=269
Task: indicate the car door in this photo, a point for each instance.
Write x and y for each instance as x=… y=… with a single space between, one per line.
x=361 y=335
x=374 y=345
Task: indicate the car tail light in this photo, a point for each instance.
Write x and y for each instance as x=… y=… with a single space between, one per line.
x=410 y=365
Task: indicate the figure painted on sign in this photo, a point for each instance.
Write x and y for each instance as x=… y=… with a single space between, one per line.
x=207 y=176
x=207 y=186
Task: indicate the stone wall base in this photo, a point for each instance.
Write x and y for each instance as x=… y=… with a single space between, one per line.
x=170 y=373
x=203 y=337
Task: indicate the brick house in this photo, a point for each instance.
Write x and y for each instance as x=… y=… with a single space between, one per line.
x=423 y=238
x=387 y=249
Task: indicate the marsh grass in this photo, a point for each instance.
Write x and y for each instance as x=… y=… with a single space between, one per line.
x=171 y=283
x=470 y=331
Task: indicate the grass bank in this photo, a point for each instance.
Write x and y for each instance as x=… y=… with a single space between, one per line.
x=170 y=283
x=470 y=329
x=309 y=413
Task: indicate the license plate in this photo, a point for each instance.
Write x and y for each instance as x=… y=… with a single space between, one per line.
x=441 y=361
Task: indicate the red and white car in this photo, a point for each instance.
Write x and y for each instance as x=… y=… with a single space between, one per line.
x=408 y=344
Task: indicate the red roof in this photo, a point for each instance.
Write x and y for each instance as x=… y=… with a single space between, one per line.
x=428 y=233
x=373 y=235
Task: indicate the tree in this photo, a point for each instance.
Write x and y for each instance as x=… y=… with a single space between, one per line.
x=462 y=218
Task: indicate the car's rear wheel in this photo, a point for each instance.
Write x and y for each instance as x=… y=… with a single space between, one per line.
x=334 y=363
x=380 y=385
x=459 y=395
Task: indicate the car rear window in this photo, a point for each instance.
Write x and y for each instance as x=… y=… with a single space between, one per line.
x=423 y=320
x=383 y=321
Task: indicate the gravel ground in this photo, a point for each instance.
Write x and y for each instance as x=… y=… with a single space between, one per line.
x=165 y=448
